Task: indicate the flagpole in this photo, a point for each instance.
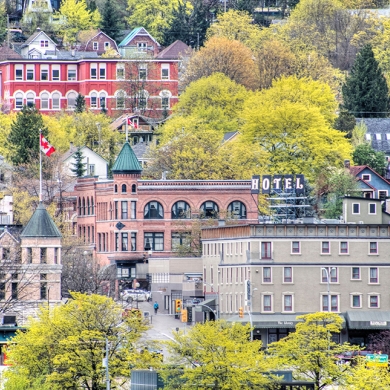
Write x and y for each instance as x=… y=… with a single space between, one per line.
x=40 y=166
x=127 y=128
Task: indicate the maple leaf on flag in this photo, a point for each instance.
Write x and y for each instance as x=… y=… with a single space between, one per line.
x=46 y=147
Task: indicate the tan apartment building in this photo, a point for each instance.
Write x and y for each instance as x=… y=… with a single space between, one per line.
x=303 y=267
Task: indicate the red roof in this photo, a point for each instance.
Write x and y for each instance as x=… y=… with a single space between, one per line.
x=7 y=53
x=174 y=51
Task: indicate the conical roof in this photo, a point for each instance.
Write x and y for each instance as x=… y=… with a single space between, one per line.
x=126 y=162
x=41 y=224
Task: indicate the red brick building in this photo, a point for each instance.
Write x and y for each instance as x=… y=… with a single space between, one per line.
x=126 y=220
x=37 y=72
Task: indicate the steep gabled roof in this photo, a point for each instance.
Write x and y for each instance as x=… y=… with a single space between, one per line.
x=174 y=51
x=138 y=31
x=7 y=53
x=41 y=225
x=126 y=162
x=35 y=35
x=102 y=33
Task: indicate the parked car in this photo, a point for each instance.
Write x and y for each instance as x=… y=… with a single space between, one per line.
x=134 y=295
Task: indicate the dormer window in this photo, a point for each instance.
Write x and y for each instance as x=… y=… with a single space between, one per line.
x=44 y=43
x=142 y=46
x=366 y=177
x=95 y=45
x=106 y=45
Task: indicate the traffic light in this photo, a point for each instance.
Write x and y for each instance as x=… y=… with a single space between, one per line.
x=184 y=315
x=241 y=312
x=177 y=306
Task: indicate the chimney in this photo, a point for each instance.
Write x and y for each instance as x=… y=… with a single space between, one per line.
x=73 y=53
x=38 y=29
x=347 y=164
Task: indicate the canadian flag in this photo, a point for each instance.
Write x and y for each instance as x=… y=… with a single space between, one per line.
x=46 y=147
x=132 y=124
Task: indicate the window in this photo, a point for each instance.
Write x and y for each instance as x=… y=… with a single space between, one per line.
x=116 y=209
x=2 y=290
x=373 y=301
x=366 y=177
x=368 y=137
x=355 y=208
x=91 y=169
x=43 y=255
x=44 y=72
x=287 y=274
x=154 y=241
x=142 y=72
x=295 y=247
x=44 y=43
x=6 y=253
x=355 y=273
x=55 y=72
x=120 y=100
x=133 y=188
x=334 y=299
x=153 y=210
x=373 y=248
x=18 y=72
x=95 y=45
x=116 y=188
x=120 y=71
x=133 y=210
x=382 y=195
x=30 y=99
x=331 y=272
x=209 y=209
x=56 y=251
x=133 y=241
x=142 y=46
x=116 y=242
x=29 y=255
x=267 y=303
x=356 y=301
x=143 y=99
x=374 y=275
x=30 y=72
x=179 y=239
x=266 y=250
x=124 y=210
x=14 y=290
x=181 y=210
x=125 y=242
x=267 y=275
x=43 y=291
x=165 y=72
x=237 y=210
x=72 y=99
x=102 y=100
x=93 y=71
x=378 y=136
x=72 y=72
x=102 y=71
x=325 y=247
x=287 y=303
x=55 y=101
x=44 y=101
x=372 y=208
x=124 y=188
x=165 y=99
x=343 y=247
x=106 y=45
x=93 y=99
x=18 y=100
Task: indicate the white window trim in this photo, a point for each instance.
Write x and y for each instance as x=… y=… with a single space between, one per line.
x=292 y=302
x=379 y=300
x=344 y=254
x=377 y=272
x=59 y=100
x=377 y=249
x=19 y=67
x=360 y=274
x=262 y=279
x=330 y=277
x=262 y=303
x=351 y=300
x=369 y=208
x=95 y=45
x=366 y=174
x=330 y=249
x=338 y=301
x=353 y=206
x=292 y=275
x=299 y=245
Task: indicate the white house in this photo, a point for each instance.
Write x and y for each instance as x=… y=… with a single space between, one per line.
x=39 y=45
x=95 y=165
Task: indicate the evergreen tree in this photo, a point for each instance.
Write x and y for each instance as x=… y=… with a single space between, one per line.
x=79 y=104
x=23 y=141
x=110 y=20
x=3 y=22
x=345 y=122
x=78 y=166
x=364 y=154
x=365 y=92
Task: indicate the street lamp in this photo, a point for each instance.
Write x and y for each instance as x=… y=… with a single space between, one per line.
x=217 y=293
x=327 y=279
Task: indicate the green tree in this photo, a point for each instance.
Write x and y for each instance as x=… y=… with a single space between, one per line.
x=310 y=351
x=76 y=17
x=345 y=122
x=79 y=104
x=216 y=354
x=64 y=347
x=78 y=166
x=3 y=22
x=23 y=141
x=110 y=20
x=365 y=92
x=364 y=154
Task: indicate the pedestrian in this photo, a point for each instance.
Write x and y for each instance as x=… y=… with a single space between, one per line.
x=155 y=306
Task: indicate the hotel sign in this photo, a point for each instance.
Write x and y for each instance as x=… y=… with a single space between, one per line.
x=283 y=183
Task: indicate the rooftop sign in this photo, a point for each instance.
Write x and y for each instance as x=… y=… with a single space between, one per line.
x=278 y=183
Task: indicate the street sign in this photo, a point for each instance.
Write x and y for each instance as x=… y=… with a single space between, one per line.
x=247 y=290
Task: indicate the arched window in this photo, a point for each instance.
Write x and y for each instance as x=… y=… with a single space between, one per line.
x=55 y=101
x=44 y=101
x=102 y=99
x=116 y=188
x=110 y=211
x=165 y=99
x=153 y=210
x=237 y=210
x=124 y=188
x=120 y=100
x=133 y=188
x=72 y=99
x=93 y=99
x=181 y=210
x=83 y=206
x=30 y=99
x=209 y=209
x=143 y=99
x=79 y=207
x=88 y=207
x=92 y=207
x=19 y=100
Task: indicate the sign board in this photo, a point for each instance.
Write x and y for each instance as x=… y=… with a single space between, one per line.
x=247 y=291
x=377 y=360
x=282 y=183
x=378 y=323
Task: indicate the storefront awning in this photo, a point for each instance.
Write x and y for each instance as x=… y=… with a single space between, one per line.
x=368 y=319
